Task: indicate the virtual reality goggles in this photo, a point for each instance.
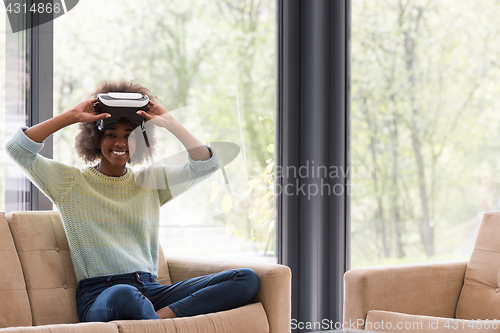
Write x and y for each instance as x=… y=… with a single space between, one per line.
x=121 y=106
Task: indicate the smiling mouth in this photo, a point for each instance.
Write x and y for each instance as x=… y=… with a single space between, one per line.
x=118 y=152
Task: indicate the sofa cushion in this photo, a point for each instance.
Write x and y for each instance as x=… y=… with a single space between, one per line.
x=480 y=296
x=387 y=321
x=50 y=279
x=275 y=284
x=48 y=270
x=163 y=271
x=65 y=328
x=14 y=305
x=246 y=319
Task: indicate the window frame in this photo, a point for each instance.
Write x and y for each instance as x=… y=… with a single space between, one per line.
x=41 y=94
x=313 y=120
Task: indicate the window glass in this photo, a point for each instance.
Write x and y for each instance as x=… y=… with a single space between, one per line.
x=425 y=128
x=214 y=57
x=3 y=27
x=14 y=92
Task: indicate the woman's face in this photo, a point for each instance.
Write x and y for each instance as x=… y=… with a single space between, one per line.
x=117 y=144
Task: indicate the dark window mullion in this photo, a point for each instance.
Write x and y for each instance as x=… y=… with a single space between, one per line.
x=41 y=96
x=312 y=129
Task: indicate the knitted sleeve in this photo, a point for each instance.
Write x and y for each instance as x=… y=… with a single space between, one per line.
x=181 y=178
x=51 y=177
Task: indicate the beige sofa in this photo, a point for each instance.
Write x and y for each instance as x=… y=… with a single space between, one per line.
x=38 y=285
x=430 y=297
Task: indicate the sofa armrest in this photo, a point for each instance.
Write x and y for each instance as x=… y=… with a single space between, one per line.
x=275 y=284
x=430 y=289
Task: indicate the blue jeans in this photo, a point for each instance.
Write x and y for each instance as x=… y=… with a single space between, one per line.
x=138 y=295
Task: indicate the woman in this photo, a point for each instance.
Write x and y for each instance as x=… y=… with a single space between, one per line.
x=112 y=223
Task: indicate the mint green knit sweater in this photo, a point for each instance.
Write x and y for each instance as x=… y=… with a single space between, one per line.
x=111 y=222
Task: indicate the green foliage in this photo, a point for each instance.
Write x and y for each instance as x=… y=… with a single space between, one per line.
x=424 y=75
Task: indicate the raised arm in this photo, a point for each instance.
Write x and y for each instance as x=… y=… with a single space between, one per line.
x=83 y=112
x=159 y=116
x=51 y=177
x=176 y=179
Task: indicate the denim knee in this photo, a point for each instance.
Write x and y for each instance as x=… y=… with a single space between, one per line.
x=127 y=302
x=252 y=283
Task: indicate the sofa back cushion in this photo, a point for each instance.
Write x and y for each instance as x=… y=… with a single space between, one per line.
x=14 y=305
x=163 y=271
x=480 y=295
x=48 y=270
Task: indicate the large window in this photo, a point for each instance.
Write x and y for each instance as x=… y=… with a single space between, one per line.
x=425 y=127
x=3 y=26
x=216 y=60
x=15 y=188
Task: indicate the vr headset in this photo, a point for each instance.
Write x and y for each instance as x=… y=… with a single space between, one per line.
x=121 y=106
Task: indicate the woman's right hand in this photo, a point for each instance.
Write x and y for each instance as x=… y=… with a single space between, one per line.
x=85 y=112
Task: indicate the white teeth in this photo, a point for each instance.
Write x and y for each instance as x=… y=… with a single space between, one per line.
x=118 y=152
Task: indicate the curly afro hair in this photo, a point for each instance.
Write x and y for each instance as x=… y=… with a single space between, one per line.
x=88 y=139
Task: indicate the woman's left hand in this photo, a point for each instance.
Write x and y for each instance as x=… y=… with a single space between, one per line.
x=159 y=116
